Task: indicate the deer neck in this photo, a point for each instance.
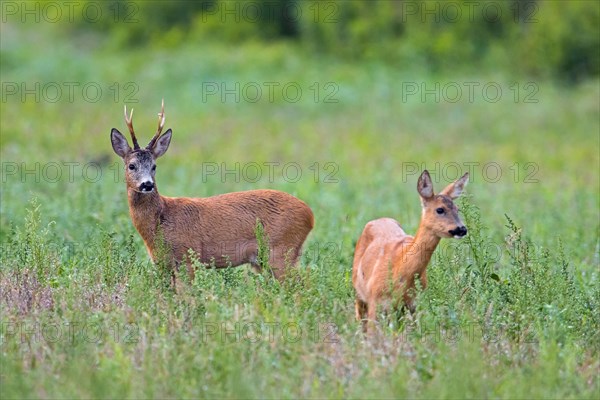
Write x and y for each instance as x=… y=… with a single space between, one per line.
x=418 y=254
x=145 y=210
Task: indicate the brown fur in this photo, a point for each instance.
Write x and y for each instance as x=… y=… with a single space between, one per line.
x=220 y=230
x=387 y=260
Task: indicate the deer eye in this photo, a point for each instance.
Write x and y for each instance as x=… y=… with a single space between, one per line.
x=439 y=210
x=132 y=167
x=154 y=168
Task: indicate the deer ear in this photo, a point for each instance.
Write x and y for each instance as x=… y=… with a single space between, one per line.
x=162 y=144
x=119 y=143
x=456 y=188
x=425 y=186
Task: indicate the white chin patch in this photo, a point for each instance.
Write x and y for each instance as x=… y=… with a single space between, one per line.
x=458 y=237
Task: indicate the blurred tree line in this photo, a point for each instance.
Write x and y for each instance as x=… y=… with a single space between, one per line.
x=560 y=39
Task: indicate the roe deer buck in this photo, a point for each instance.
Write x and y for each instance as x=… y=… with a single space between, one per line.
x=386 y=259
x=219 y=229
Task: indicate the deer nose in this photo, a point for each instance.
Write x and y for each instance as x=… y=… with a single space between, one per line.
x=459 y=231
x=147 y=186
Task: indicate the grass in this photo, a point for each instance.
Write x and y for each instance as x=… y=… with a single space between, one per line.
x=511 y=311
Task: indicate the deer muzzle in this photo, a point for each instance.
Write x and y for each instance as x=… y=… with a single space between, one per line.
x=147 y=186
x=458 y=232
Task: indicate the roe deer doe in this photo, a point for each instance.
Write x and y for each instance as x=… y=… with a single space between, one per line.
x=219 y=229
x=386 y=259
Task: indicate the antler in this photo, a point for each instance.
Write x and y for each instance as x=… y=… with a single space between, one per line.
x=129 y=123
x=161 y=124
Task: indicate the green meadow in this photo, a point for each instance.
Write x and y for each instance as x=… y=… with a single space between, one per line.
x=511 y=310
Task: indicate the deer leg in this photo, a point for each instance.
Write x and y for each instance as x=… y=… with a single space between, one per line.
x=281 y=259
x=256 y=268
x=361 y=309
x=369 y=324
x=361 y=313
x=409 y=301
x=251 y=256
x=277 y=266
x=173 y=279
x=277 y=263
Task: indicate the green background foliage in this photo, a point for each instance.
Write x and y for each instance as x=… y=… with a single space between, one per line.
x=539 y=38
x=510 y=311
